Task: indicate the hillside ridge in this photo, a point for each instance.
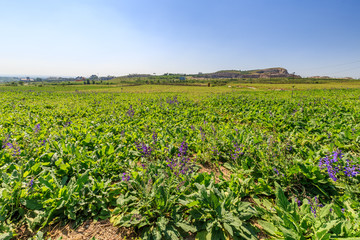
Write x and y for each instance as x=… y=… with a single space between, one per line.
x=276 y=72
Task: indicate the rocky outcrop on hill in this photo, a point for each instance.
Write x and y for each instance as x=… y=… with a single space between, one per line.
x=259 y=73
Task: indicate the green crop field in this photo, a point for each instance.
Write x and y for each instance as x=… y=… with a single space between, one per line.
x=241 y=161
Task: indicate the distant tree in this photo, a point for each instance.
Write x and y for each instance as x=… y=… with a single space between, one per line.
x=93 y=77
x=87 y=81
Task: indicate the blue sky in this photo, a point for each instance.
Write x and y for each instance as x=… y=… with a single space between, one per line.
x=108 y=37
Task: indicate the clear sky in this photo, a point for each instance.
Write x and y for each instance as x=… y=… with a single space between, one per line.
x=118 y=37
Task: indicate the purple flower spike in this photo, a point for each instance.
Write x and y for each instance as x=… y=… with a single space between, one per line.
x=125 y=177
x=130 y=112
x=239 y=151
x=183 y=149
x=37 y=128
x=154 y=137
x=31 y=183
x=16 y=149
x=5 y=141
x=144 y=149
x=180 y=165
x=10 y=145
x=334 y=165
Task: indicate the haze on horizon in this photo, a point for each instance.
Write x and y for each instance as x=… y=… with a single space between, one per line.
x=109 y=37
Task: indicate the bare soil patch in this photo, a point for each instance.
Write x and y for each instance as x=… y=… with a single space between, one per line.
x=217 y=171
x=100 y=230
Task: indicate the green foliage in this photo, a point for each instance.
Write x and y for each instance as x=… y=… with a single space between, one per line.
x=65 y=149
x=219 y=214
x=150 y=203
x=308 y=219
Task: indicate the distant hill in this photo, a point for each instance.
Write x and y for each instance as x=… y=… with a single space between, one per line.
x=258 y=73
x=9 y=79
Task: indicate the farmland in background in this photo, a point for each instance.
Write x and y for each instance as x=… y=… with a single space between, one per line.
x=238 y=161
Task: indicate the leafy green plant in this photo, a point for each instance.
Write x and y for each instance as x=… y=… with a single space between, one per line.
x=307 y=219
x=219 y=214
x=150 y=203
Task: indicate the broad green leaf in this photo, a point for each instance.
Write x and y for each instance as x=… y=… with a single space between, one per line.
x=202 y=235
x=6 y=236
x=31 y=204
x=186 y=227
x=281 y=199
x=268 y=227
x=229 y=229
x=289 y=234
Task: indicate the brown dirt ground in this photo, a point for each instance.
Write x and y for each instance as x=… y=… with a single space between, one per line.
x=100 y=230
x=217 y=173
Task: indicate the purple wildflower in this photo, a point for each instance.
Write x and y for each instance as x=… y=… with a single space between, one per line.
x=202 y=132
x=213 y=128
x=289 y=147
x=31 y=183
x=125 y=177
x=144 y=149
x=329 y=164
x=172 y=101
x=215 y=151
x=16 y=149
x=313 y=208
x=333 y=166
x=37 y=128
x=130 y=112
x=154 y=137
x=183 y=149
x=350 y=170
x=275 y=170
x=239 y=151
x=5 y=141
x=180 y=165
